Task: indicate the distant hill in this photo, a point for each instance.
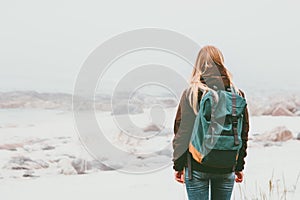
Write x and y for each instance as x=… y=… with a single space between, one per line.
x=276 y=104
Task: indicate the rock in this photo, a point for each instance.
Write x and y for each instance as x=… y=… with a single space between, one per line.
x=96 y=164
x=298 y=136
x=41 y=164
x=63 y=156
x=83 y=166
x=32 y=147
x=289 y=104
x=152 y=127
x=18 y=167
x=20 y=160
x=269 y=144
x=169 y=103
x=25 y=163
x=11 y=147
x=165 y=152
x=282 y=111
x=48 y=148
x=80 y=165
x=33 y=99
x=297 y=113
x=65 y=167
x=29 y=173
x=278 y=134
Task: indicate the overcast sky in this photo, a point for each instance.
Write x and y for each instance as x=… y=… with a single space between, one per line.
x=44 y=43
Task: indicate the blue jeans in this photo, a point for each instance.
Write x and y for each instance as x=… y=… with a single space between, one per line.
x=221 y=185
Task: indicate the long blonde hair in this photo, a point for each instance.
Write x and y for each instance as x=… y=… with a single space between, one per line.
x=209 y=61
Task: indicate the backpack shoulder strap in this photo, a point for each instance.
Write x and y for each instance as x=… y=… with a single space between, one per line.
x=234 y=119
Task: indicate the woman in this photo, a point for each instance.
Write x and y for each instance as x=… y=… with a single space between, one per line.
x=209 y=73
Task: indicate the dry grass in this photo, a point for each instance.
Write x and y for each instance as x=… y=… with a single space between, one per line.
x=277 y=190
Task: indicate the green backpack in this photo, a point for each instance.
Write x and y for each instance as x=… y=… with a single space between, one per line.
x=216 y=137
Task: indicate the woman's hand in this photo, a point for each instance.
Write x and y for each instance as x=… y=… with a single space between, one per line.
x=179 y=176
x=239 y=177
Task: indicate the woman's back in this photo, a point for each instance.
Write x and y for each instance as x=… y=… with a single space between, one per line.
x=209 y=73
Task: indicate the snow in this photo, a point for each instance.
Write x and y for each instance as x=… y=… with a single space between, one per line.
x=31 y=130
x=101 y=185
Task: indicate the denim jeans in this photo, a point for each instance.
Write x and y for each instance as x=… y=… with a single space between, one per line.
x=219 y=186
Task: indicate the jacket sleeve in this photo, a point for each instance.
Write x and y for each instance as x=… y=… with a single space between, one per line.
x=183 y=126
x=243 y=150
x=179 y=162
x=177 y=119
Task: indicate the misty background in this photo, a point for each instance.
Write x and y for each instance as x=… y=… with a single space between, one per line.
x=44 y=43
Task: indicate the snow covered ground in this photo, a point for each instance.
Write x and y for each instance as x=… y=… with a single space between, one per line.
x=39 y=148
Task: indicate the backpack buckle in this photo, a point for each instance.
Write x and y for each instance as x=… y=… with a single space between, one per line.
x=234 y=120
